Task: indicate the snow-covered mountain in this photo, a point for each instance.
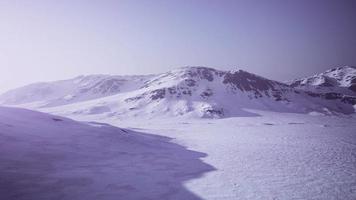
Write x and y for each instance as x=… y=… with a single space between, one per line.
x=338 y=80
x=186 y=91
x=81 y=88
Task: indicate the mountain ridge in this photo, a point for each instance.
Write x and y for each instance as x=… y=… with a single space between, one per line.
x=192 y=90
x=340 y=79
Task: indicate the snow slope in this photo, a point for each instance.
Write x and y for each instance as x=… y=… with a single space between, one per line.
x=49 y=157
x=272 y=156
x=188 y=91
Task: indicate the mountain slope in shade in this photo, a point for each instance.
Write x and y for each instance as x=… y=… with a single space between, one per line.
x=50 y=157
x=338 y=80
x=186 y=91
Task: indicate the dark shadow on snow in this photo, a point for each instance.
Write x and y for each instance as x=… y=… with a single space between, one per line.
x=104 y=163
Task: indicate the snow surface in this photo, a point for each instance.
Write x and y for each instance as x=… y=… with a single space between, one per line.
x=46 y=157
x=267 y=156
x=273 y=156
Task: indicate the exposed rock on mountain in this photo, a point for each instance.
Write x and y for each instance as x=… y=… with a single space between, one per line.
x=189 y=91
x=338 y=80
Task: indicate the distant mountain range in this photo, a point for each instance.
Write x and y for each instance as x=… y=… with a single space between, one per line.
x=189 y=91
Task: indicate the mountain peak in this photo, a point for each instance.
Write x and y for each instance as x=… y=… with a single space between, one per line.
x=340 y=80
x=197 y=90
x=343 y=69
x=195 y=68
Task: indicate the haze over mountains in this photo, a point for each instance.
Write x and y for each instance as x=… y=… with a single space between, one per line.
x=189 y=91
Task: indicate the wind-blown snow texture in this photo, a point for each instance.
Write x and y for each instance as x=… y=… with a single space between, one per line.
x=274 y=156
x=189 y=91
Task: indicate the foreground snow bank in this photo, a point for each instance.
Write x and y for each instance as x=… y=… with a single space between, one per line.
x=50 y=157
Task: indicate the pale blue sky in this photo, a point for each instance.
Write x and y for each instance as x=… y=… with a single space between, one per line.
x=279 y=39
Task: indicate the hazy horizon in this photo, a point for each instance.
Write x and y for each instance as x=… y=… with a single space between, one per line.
x=280 y=40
